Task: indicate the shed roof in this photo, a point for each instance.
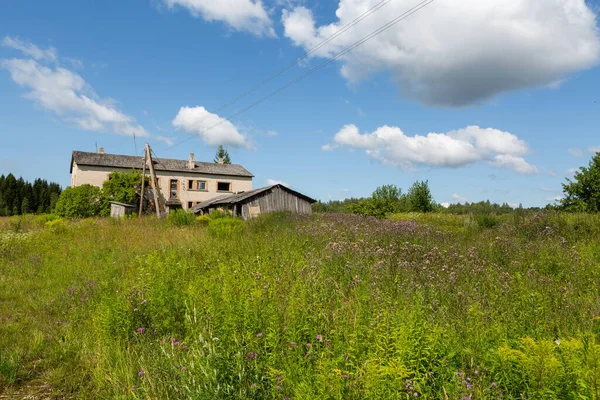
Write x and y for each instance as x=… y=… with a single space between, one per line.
x=160 y=164
x=237 y=198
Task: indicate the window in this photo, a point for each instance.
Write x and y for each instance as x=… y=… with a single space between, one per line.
x=190 y=204
x=173 y=192
x=224 y=186
x=190 y=184
x=201 y=185
x=196 y=185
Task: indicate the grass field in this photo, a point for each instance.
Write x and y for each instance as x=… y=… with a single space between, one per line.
x=323 y=307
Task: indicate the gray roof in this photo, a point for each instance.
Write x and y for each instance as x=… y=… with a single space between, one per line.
x=160 y=164
x=236 y=198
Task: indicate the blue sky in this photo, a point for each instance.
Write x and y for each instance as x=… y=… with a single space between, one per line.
x=490 y=100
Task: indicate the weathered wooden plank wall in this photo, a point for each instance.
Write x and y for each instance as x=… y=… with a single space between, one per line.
x=276 y=200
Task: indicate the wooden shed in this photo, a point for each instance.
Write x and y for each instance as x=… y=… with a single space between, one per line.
x=255 y=202
x=119 y=210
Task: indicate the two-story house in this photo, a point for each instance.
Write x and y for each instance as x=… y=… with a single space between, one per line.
x=182 y=182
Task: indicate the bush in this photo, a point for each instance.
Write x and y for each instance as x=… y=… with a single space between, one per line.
x=181 y=217
x=79 y=202
x=203 y=220
x=56 y=225
x=226 y=227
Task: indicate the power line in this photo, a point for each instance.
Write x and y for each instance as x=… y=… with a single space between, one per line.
x=292 y=63
x=376 y=32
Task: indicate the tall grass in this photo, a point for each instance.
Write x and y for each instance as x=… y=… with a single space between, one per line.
x=330 y=306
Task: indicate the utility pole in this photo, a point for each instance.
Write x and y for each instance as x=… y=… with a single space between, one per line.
x=156 y=190
x=143 y=182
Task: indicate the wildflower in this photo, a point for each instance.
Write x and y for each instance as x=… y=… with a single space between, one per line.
x=52 y=301
x=175 y=342
x=141 y=330
x=143 y=301
x=415 y=394
x=476 y=372
x=184 y=368
x=557 y=342
x=184 y=347
x=494 y=385
x=133 y=387
x=259 y=335
x=319 y=338
x=292 y=344
x=135 y=310
x=252 y=355
x=346 y=376
x=457 y=374
x=469 y=386
x=254 y=386
x=140 y=373
x=308 y=344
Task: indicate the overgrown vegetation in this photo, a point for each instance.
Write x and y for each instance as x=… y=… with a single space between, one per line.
x=334 y=306
x=582 y=194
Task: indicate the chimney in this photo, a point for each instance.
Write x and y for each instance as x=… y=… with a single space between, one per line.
x=191 y=164
x=101 y=150
x=220 y=160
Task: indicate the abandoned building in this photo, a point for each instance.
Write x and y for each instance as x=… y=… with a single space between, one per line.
x=254 y=202
x=182 y=183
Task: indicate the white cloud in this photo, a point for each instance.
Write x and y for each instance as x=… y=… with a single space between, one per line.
x=66 y=94
x=241 y=15
x=594 y=149
x=459 y=199
x=575 y=152
x=29 y=49
x=271 y=182
x=572 y=171
x=549 y=172
x=458 y=52
x=445 y=205
x=517 y=164
x=453 y=149
x=554 y=199
x=213 y=130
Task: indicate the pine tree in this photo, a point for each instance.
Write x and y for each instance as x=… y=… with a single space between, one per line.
x=222 y=154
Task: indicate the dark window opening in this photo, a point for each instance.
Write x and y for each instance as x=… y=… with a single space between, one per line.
x=190 y=204
x=224 y=186
x=190 y=184
x=173 y=191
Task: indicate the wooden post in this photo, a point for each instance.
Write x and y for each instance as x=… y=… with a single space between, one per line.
x=156 y=192
x=143 y=182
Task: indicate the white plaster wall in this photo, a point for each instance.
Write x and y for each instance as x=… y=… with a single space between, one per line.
x=95 y=176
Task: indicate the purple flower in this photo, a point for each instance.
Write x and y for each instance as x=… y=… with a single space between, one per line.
x=140 y=373
x=254 y=386
x=175 y=342
x=319 y=338
x=476 y=372
x=259 y=335
x=346 y=376
x=252 y=355
x=494 y=384
x=184 y=347
x=308 y=344
x=184 y=368
x=143 y=301
x=141 y=330
x=415 y=394
x=292 y=344
x=457 y=374
x=52 y=301
x=133 y=387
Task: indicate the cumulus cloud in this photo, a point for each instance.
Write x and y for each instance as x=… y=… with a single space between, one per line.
x=458 y=52
x=66 y=93
x=453 y=149
x=575 y=152
x=271 y=182
x=213 y=130
x=29 y=49
x=241 y=15
x=445 y=205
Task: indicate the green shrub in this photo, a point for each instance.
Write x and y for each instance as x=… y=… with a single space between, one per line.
x=203 y=220
x=226 y=227
x=486 y=221
x=56 y=225
x=181 y=217
x=79 y=202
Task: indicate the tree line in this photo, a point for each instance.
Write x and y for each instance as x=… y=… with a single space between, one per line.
x=18 y=196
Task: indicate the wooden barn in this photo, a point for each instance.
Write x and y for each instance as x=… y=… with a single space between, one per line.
x=254 y=202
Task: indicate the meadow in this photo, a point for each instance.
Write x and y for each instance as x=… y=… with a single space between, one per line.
x=329 y=306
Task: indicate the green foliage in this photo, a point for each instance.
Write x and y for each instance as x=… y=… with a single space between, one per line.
x=203 y=220
x=79 y=202
x=18 y=196
x=181 y=217
x=222 y=154
x=122 y=187
x=226 y=227
x=582 y=194
x=335 y=306
x=420 y=198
